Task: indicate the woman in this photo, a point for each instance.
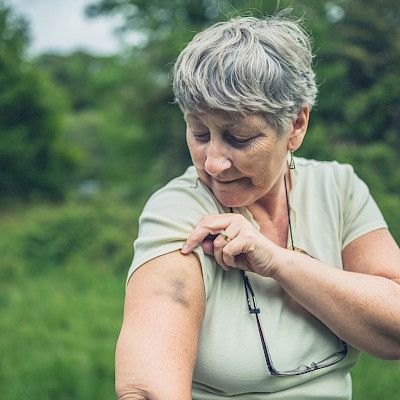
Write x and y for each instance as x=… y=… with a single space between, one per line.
x=224 y=233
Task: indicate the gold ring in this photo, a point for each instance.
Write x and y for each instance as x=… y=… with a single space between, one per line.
x=225 y=236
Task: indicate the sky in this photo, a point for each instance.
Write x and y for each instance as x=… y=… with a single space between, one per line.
x=61 y=26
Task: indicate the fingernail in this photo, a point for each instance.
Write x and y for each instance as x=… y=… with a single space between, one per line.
x=185 y=248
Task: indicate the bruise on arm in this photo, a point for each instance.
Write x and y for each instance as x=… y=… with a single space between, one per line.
x=179 y=296
x=176 y=290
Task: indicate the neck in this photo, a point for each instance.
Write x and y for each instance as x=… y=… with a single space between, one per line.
x=274 y=202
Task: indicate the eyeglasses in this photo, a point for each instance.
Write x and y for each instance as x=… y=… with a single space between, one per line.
x=301 y=369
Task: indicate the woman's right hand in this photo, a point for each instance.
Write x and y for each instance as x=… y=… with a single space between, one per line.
x=239 y=245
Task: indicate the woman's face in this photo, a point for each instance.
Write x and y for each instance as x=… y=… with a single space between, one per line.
x=240 y=160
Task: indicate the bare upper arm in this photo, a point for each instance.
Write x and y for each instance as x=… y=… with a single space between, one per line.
x=157 y=346
x=375 y=253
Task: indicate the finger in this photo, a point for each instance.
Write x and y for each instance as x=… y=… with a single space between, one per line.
x=222 y=240
x=220 y=262
x=228 y=258
x=208 y=243
x=225 y=236
x=218 y=255
x=209 y=225
x=234 y=254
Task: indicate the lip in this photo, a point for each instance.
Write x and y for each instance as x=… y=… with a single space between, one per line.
x=225 y=182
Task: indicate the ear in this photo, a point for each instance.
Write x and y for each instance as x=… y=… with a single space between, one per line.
x=298 y=129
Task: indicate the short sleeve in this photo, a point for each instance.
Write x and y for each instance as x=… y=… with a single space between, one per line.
x=167 y=220
x=360 y=211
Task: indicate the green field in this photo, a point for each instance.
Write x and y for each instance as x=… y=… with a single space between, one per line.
x=62 y=273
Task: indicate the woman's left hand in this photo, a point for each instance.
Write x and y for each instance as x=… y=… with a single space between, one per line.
x=239 y=245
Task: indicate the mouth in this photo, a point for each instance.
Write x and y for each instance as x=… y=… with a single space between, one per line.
x=226 y=181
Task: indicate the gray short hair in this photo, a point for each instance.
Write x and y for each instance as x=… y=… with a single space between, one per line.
x=245 y=66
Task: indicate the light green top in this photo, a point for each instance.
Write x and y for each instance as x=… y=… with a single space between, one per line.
x=330 y=206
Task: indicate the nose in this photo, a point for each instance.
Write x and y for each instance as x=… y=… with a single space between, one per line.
x=217 y=159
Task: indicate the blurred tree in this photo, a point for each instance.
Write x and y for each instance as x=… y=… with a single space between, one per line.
x=102 y=123
x=160 y=152
x=32 y=160
x=87 y=80
x=356 y=63
x=359 y=107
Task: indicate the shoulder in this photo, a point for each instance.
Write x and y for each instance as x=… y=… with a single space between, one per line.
x=329 y=179
x=169 y=217
x=324 y=169
x=336 y=191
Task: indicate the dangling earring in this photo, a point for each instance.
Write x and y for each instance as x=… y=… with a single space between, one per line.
x=292 y=165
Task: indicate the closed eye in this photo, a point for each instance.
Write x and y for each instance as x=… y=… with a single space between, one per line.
x=202 y=137
x=231 y=139
x=237 y=142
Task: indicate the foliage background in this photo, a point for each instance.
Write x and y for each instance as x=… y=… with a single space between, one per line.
x=85 y=139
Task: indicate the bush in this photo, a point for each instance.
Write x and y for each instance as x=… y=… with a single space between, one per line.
x=62 y=275
x=51 y=238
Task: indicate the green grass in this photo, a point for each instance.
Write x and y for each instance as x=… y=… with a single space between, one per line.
x=61 y=333
x=62 y=276
x=375 y=379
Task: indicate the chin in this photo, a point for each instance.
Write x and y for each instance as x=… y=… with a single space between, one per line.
x=232 y=201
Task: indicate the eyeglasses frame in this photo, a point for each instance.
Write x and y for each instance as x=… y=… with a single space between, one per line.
x=341 y=354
